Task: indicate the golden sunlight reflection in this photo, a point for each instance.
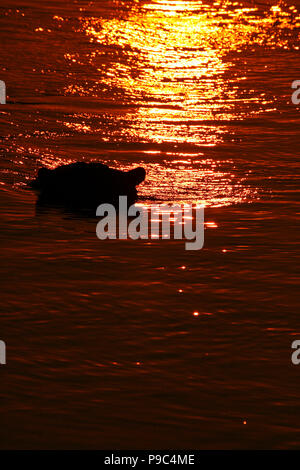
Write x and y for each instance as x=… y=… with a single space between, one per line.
x=174 y=60
x=174 y=75
x=198 y=181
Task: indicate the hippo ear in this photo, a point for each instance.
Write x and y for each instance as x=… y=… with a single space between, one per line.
x=137 y=175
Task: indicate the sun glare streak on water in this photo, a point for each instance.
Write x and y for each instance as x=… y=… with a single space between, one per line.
x=174 y=63
x=164 y=85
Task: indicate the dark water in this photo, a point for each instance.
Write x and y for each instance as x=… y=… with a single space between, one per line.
x=103 y=349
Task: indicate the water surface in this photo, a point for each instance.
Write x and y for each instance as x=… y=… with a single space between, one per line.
x=103 y=347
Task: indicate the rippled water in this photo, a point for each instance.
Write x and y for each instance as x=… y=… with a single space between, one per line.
x=103 y=348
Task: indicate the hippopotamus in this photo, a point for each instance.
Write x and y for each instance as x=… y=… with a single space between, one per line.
x=83 y=185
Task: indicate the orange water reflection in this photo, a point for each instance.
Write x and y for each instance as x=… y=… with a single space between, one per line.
x=174 y=60
x=174 y=80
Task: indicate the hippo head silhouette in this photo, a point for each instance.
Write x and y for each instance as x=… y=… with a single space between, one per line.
x=80 y=185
